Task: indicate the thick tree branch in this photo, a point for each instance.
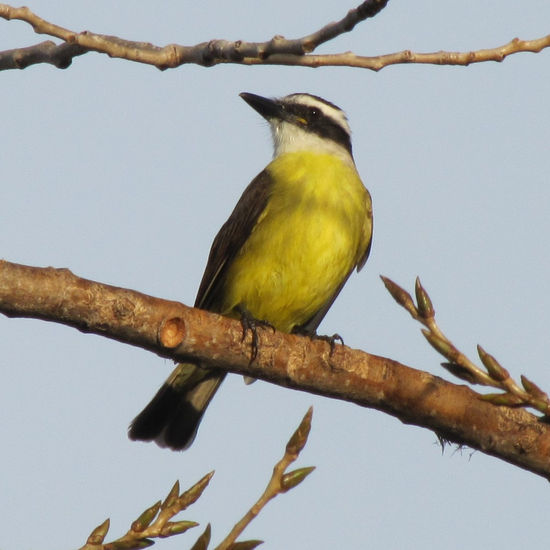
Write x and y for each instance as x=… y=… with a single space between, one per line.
x=277 y=51
x=173 y=330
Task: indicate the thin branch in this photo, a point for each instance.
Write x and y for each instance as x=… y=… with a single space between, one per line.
x=494 y=375
x=364 y=11
x=205 y=54
x=172 y=330
x=281 y=481
x=277 y=51
x=375 y=63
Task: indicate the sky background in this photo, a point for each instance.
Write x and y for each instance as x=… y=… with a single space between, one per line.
x=124 y=174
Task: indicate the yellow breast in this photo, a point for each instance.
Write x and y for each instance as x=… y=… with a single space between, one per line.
x=314 y=230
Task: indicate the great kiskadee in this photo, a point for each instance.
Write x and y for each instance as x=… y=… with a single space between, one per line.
x=298 y=231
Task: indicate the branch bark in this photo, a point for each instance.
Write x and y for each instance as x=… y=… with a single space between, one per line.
x=175 y=331
x=277 y=51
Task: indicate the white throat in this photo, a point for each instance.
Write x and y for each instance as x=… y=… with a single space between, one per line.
x=289 y=138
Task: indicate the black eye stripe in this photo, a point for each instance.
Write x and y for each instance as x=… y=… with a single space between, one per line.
x=311 y=114
x=324 y=126
x=313 y=119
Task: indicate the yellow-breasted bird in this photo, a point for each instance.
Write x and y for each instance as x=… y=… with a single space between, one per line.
x=298 y=231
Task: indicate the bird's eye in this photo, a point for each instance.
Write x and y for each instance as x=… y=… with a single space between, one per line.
x=314 y=113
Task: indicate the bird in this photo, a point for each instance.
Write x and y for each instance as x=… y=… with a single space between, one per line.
x=299 y=230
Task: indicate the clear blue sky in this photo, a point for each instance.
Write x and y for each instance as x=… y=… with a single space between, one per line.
x=124 y=174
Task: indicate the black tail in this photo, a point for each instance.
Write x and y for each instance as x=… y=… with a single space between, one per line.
x=173 y=416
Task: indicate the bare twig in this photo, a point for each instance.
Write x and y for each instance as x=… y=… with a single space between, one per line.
x=173 y=55
x=277 y=51
x=494 y=375
x=375 y=63
x=281 y=481
x=172 y=330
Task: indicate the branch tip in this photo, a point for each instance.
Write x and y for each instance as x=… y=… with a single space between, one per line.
x=246 y=545
x=177 y=528
x=146 y=518
x=424 y=303
x=191 y=495
x=496 y=371
x=401 y=296
x=299 y=438
x=294 y=478
x=204 y=539
x=97 y=536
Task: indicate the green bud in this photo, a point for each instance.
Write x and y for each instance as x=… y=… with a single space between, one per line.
x=442 y=346
x=146 y=518
x=97 y=536
x=532 y=389
x=425 y=306
x=204 y=540
x=294 y=478
x=193 y=493
x=176 y=527
x=502 y=399
x=172 y=496
x=400 y=295
x=131 y=544
x=494 y=368
x=143 y=543
x=299 y=438
x=246 y=545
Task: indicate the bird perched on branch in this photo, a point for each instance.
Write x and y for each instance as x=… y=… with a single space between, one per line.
x=298 y=231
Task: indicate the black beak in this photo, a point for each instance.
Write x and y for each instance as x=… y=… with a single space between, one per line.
x=268 y=108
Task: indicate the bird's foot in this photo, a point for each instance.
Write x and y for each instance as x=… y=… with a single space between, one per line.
x=250 y=323
x=331 y=340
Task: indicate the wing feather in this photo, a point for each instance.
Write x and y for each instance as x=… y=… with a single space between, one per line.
x=230 y=239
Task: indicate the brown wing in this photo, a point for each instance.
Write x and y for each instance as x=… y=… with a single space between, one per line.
x=231 y=237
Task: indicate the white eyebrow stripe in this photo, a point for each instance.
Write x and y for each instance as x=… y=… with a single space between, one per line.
x=330 y=111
